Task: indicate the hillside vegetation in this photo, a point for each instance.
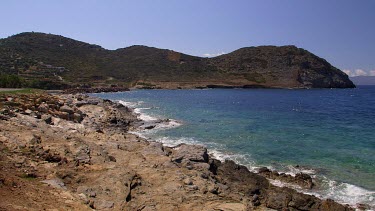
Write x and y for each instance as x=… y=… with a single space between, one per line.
x=53 y=61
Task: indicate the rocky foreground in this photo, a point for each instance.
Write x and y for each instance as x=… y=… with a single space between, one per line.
x=73 y=152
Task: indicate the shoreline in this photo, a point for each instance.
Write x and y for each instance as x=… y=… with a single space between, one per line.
x=89 y=164
x=276 y=177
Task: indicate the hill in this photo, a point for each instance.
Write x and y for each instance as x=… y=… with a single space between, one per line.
x=363 y=80
x=56 y=61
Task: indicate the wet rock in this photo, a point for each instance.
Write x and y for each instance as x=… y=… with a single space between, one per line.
x=149 y=127
x=330 y=204
x=238 y=178
x=304 y=180
x=301 y=179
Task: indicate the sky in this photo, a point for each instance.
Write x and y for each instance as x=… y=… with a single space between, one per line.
x=340 y=31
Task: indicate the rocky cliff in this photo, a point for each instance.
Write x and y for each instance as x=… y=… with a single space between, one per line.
x=52 y=59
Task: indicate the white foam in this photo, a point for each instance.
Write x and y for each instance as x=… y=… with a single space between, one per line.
x=143 y=116
x=292 y=170
x=128 y=104
x=348 y=193
x=172 y=123
x=172 y=142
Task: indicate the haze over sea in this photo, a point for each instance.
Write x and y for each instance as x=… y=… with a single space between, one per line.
x=328 y=133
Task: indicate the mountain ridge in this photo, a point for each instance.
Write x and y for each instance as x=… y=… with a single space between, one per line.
x=40 y=56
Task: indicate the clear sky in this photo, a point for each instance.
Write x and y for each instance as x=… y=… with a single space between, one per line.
x=341 y=31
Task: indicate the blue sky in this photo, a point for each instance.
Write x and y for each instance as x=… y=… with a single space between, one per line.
x=341 y=31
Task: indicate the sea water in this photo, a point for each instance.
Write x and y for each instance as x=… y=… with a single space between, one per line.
x=327 y=133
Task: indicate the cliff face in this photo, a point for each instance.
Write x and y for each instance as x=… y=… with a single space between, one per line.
x=286 y=66
x=38 y=56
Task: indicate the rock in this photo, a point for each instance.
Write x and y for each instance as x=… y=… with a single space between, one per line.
x=63 y=115
x=47 y=118
x=263 y=170
x=214 y=190
x=44 y=108
x=28 y=111
x=84 y=198
x=302 y=202
x=192 y=187
x=184 y=152
x=304 y=180
x=67 y=109
x=83 y=155
x=35 y=139
x=154 y=148
x=222 y=187
x=81 y=103
x=301 y=179
x=329 y=204
x=200 y=166
x=188 y=181
x=52 y=158
x=56 y=183
x=229 y=207
x=278 y=200
x=77 y=117
x=87 y=191
x=238 y=178
x=101 y=204
x=149 y=127
x=111 y=158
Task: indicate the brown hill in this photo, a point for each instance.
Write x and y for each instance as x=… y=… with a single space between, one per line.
x=60 y=61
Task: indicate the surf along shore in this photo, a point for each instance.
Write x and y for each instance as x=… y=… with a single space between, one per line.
x=72 y=151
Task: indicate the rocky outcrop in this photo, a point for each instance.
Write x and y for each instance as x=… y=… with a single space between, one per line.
x=285 y=66
x=301 y=179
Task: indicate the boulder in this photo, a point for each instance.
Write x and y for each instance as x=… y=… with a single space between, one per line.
x=44 y=108
x=103 y=204
x=185 y=152
x=47 y=118
x=56 y=183
x=67 y=109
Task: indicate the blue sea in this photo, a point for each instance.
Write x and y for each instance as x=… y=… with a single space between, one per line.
x=327 y=133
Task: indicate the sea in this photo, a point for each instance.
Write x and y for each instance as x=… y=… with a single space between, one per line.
x=327 y=133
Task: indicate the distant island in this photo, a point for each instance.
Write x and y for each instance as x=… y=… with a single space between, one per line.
x=55 y=62
x=363 y=80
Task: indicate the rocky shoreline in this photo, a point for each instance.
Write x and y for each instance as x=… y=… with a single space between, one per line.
x=75 y=152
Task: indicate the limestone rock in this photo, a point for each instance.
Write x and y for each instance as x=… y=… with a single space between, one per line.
x=184 y=152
